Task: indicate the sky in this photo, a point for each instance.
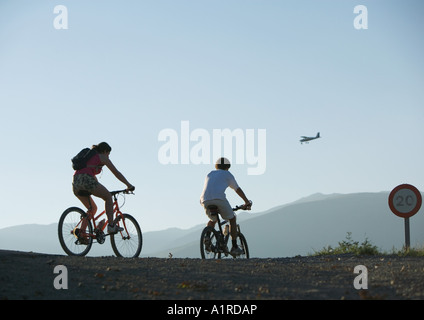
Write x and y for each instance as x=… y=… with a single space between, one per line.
x=161 y=80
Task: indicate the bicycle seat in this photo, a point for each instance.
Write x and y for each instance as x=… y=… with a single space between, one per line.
x=213 y=209
x=84 y=193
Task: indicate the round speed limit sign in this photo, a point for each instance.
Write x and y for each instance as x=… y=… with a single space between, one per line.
x=405 y=200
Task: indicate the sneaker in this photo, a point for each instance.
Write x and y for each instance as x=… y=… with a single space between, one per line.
x=236 y=251
x=114 y=229
x=83 y=240
x=81 y=236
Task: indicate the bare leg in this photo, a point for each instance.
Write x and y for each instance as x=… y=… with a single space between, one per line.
x=103 y=193
x=91 y=210
x=233 y=228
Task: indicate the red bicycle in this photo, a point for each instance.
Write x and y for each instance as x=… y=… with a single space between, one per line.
x=78 y=242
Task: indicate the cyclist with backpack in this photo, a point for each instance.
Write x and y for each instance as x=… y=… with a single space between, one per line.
x=88 y=164
x=216 y=182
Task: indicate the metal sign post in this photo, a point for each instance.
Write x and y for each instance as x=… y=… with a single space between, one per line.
x=407 y=234
x=405 y=201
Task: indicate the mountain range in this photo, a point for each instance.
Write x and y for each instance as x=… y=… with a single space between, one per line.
x=298 y=228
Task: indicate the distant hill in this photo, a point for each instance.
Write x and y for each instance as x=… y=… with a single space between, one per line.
x=308 y=225
x=297 y=228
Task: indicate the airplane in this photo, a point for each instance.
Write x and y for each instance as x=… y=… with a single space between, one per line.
x=307 y=139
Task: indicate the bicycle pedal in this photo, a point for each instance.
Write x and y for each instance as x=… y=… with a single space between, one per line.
x=82 y=242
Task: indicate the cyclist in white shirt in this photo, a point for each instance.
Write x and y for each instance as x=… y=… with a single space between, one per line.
x=216 y=182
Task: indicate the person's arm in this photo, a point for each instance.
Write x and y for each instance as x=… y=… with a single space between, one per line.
x=232 y=183
x=247 y=202
x=106 y=161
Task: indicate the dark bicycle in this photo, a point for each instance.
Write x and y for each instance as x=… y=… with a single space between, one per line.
x=214 y=243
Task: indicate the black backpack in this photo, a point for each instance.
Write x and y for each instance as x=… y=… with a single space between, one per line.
x=80 y=160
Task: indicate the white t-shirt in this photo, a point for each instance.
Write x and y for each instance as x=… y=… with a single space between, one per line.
x=216 y=183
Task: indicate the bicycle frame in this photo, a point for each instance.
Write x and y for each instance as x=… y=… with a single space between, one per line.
x=116 y=212
x=220 y=223
x=224 y=237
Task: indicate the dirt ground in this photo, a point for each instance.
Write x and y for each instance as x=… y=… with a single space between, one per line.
x=34 y=276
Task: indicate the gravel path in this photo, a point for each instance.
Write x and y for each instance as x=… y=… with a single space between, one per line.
x=31 y=276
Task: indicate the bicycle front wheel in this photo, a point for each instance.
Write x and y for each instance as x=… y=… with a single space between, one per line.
x=69 y=232
x=242 y=243
x=127 y=243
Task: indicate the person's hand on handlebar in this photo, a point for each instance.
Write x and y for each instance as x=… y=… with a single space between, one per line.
x=130 y=188
x=247 y=206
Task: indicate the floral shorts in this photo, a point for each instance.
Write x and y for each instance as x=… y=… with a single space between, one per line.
x=84 y=182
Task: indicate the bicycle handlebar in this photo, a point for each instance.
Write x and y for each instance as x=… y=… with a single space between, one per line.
x=125 y=191
x=243 y=207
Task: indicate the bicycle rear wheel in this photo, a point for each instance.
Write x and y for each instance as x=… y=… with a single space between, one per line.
x=127 y=243
x=69 y=230
x=209 y=244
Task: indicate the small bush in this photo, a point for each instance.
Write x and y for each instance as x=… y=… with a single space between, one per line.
x=350 y=246
x=411 y=252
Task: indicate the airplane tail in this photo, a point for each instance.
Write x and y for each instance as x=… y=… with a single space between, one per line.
x=318 y=135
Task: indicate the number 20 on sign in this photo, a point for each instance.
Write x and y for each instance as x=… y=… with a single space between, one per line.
x=405 y=201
